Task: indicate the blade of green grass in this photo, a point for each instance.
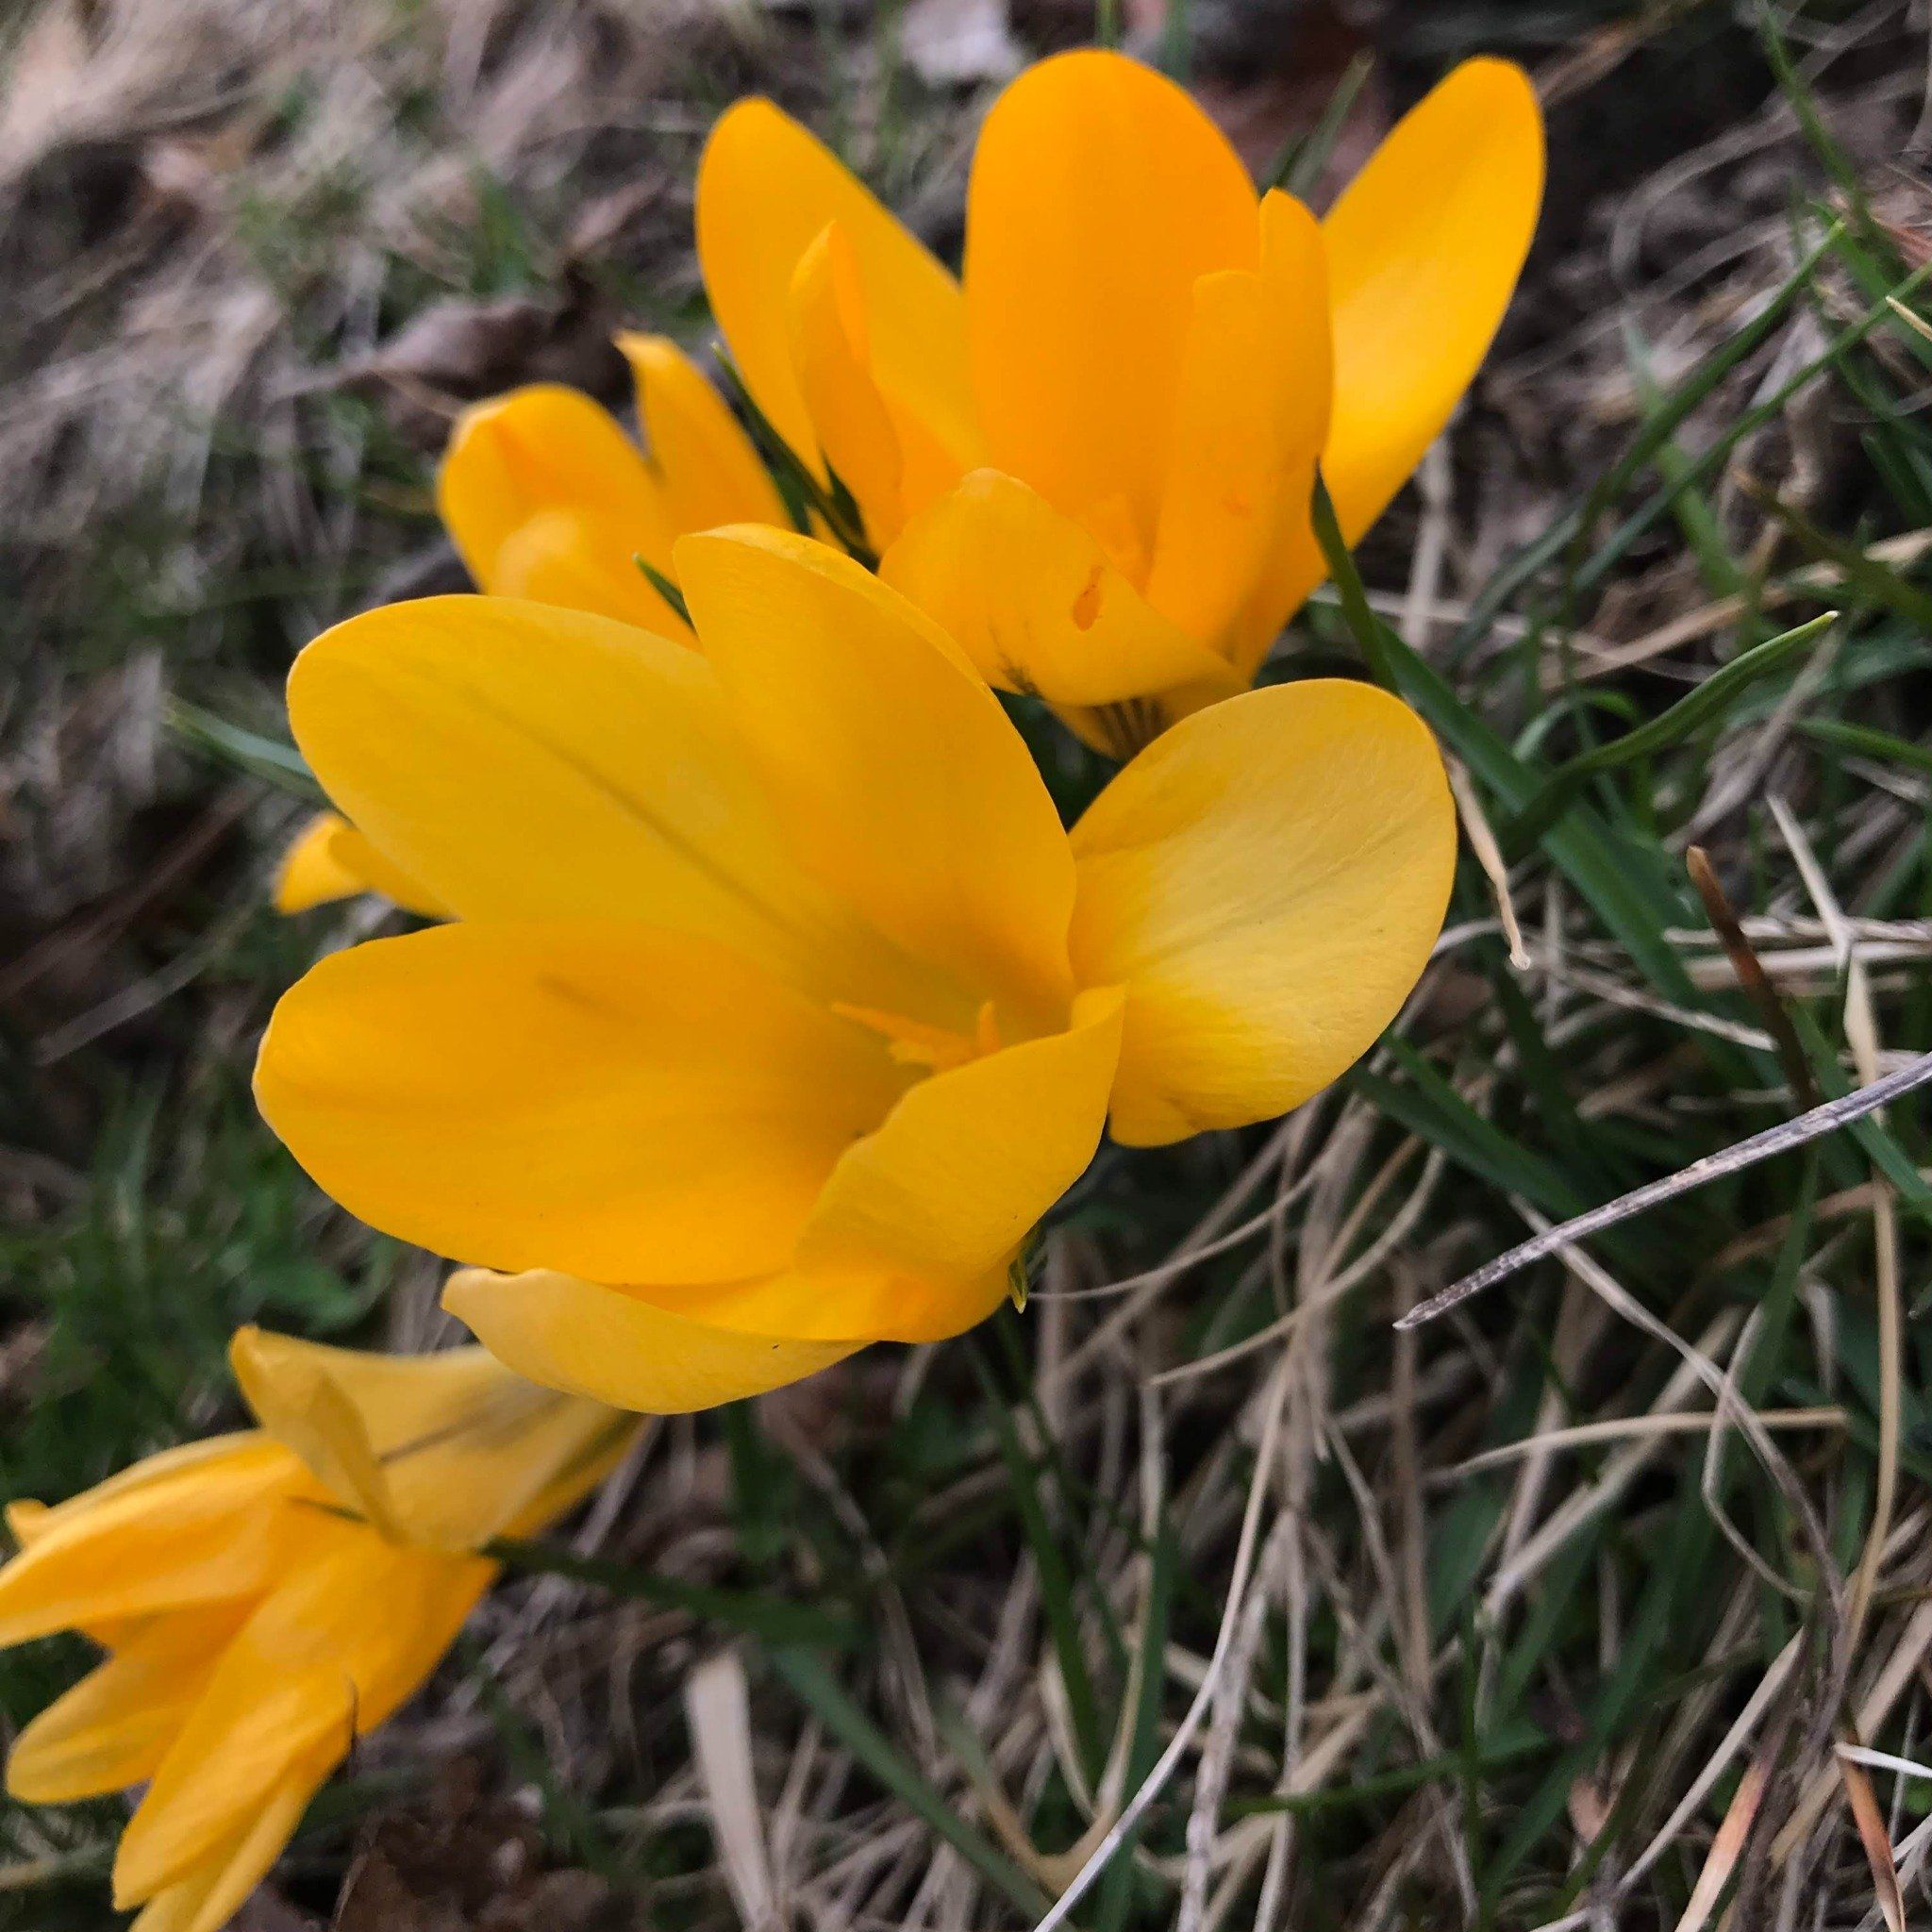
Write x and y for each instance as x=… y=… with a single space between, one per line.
x=1703 y=705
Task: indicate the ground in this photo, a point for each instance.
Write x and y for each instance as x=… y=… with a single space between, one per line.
x=1603 y=1599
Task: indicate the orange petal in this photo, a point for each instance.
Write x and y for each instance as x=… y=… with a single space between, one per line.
x=1266 y=880
x=1294 y=285
x=114 y=1727
x=545 y=496
x=529 y=762
x=329 y=859
x=766 y=189
x=942 y=1196
x=1100 y=195
x=1219 y=506
x=605 y=1097
x=1425 y=247
x=1034 y=601
x=330 y=1653
x=449 y=1448
x=620 y=1348
x=902 y=781
x=832 y=355
x=704 y=464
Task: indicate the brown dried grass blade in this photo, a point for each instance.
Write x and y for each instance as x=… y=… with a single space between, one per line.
x=1726 y=1846
x=1875 y=1838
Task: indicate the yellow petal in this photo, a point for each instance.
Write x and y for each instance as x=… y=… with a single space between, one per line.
x=1100 y=194
x=896 y=772
x=618 y=1348
x=921 y=1214
x=766 y=189
x=1227 y=469
x=527 y=762
x=545 y=496
x=704 y=466
x=204 y=1531
x=461 y=1448
x=1033 y=600
x=31 y=1522
x=915 y=1233
x=207 y=1896
x=1295 y=283
x=1266 y=881
x=601 y=1096
x=328 y=1655
x=832 y=355
x=576 y=560
x=113 y=1729
x=330 y=859
x=1424 y=250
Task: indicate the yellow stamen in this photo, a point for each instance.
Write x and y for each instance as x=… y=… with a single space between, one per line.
x=916 y=1043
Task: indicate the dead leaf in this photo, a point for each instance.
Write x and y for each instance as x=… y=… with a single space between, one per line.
x=958 y=42
x=459 y=1861
x=1875 y=1839
x=459 y=350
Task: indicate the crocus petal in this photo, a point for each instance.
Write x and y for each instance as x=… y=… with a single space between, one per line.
x=544 y=495
x=574 y=558
x=704 y=466
x=32 y=1522
x=1032 y=599
x=200 y=1533
x=943 y=1195
x=462 y=1447
x=527 y=762
x=1100 y=194
x=1226 y=469
x=1295 y=284
x=336 y=1646
x=1266 y=881
x=312 y=1413
x=766 y=189
x=915 y=1237
x=606 y=1097
x=1423 y=247
x=330 y=859
x=619 y=1348
x=114 y=1727
x=896 y=772
x=210 y=1892
x=832 y=355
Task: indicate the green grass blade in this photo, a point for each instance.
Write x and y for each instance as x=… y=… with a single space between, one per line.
x=1701 y=705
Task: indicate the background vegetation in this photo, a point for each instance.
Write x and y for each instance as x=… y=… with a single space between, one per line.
x=1605 y=1599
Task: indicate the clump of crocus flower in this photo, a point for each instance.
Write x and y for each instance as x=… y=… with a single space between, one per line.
x=1092 y=457
x=266 y=1598
x=777 y=1006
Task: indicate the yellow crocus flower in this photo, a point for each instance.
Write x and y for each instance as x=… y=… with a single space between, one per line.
x=1090 y=459
x=778 y=1004
x=544 y=497
x=266 y=1598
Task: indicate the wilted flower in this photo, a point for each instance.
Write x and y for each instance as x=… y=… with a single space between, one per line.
x=268 y=1598
x=545 y=496
x=1092 y=460
x=779 y=1006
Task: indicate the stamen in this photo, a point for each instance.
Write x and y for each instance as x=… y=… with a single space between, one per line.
x=916 y=1043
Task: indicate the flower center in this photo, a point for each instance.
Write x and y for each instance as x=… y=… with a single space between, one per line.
x=915 y=1044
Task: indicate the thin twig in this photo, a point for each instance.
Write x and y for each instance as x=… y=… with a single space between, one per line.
x=1809 y=1126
